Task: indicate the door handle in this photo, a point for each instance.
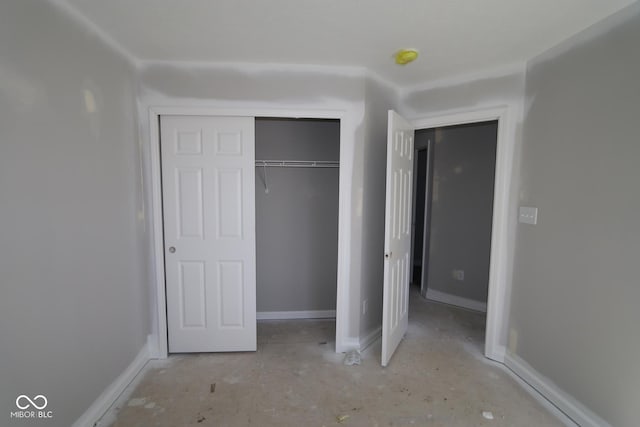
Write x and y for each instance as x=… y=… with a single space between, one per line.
x=388 y=255
x=172 y=249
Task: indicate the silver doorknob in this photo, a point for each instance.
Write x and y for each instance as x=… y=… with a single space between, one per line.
x=388 y=255
x=172 y=249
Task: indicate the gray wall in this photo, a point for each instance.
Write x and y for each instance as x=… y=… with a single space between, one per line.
x=576 y=289
x=372 y=160
x=461 y=209
x=297 y=221
x=73 y=310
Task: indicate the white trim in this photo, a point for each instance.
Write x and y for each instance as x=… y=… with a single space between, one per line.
x=460 y=117
x=349 y=344
x=344 y=213
x=152 y=345
x=284 y=315
x=93 y=415
x=446 y=298
x=561 y=416
x=571 y=412
x=499 y=354
x=198 y=110
x=157 y=234
x=498 y=285
x=370 y=338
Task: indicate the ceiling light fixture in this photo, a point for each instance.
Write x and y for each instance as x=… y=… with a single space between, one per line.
x=404 y=56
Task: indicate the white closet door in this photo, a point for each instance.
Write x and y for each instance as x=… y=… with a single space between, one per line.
x=208 y=189
x=397 y=234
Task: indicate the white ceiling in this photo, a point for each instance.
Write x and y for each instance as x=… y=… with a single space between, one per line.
x=454 y=37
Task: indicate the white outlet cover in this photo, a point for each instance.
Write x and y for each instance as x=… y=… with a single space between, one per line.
x=528 y=215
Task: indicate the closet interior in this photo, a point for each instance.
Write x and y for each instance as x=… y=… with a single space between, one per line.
x=297 y=178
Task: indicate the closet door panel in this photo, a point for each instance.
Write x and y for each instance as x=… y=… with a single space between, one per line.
x=208 y=180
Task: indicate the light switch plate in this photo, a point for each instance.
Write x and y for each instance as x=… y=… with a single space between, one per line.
x=528 y=215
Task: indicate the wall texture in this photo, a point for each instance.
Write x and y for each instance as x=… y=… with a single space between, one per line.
x=461 y=209
x=74 y=310
x=575 y=287
x=297 y=220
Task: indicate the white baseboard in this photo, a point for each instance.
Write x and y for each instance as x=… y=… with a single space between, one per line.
x=496 y=354
x=370 y=338
x=569 y=410
x=285 y=315
x=349 y=344
x=152 y=345
x=456 y=300
x=92 y=416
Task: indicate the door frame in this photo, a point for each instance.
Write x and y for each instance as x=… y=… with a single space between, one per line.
x=499 y=283
x=427 y=212
x=160 y=345
x=426 y=221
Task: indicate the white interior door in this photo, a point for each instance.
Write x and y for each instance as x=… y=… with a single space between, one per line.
x=208 y=192
x=397 y=234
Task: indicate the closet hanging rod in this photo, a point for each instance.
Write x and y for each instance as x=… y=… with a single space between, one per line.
x=297 y=164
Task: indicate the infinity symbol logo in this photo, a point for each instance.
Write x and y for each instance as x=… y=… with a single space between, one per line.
x=33 y=403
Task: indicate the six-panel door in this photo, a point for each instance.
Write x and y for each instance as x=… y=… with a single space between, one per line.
x=208 y=189
x=397 y=234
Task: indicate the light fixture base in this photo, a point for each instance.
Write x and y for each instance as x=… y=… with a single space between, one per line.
x=404 y=56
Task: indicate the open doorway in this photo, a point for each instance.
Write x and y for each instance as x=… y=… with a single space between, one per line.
x=457 y=177
x=453 y=212
x=400 y=239
x=297 y=189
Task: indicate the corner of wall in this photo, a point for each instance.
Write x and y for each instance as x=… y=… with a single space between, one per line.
x=98 y=414
x=567 y=408
x=92 y=28
x=588 y=34
x=370 y=337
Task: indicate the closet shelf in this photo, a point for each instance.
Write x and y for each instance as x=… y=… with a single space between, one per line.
x=297 y=163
